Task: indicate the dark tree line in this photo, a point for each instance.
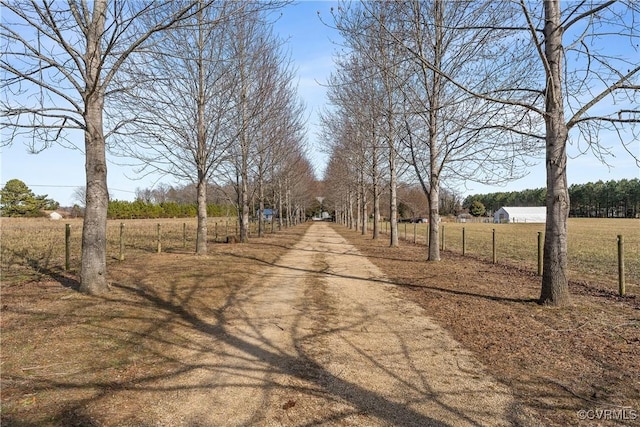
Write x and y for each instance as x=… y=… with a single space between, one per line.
x=610 y=199
x=138 y=209
x=494 y=201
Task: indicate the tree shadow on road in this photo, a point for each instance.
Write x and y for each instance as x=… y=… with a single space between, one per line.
x=175 y=332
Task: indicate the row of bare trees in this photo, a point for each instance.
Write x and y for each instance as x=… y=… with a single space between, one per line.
x=441 y=93
x=200 y=90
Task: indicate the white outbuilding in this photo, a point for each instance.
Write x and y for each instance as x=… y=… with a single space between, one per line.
x=520 y=214
x=55 y=216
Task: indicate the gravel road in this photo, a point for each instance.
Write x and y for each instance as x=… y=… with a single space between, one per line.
x=321 y=338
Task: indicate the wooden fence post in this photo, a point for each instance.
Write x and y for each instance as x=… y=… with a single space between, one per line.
x=427 y=237
x=184 y=235
x=494 y=246
x=540 y=252
x=67 y=246
x=121 y=255
x=621 y=284
x=464 y=242
x=443 y=240
x=159 y=244
x=415 y=230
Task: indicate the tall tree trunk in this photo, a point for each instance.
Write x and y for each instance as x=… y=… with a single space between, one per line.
x=244 y=160
x=349 y=207
x=363 y=190
x=434 y=148
x=201 y=233
x=244 y=191
x=93 y=274
x=287 y=201
x=376 y=211
x=94 y=232
x=376 y=190
x=260 y=206
x=280 y=210
x=434 y=220
x=358 y=218
x=393 y=196
x=201 y=186
x=555 y=290
x=393 y=180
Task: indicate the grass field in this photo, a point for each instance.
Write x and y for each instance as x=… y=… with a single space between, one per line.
x=71 y=359
x=593 y=246
x=32 y=247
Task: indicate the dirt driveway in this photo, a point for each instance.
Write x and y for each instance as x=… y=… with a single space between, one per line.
x=321 y=339
x=300 y=329
x=305 y=334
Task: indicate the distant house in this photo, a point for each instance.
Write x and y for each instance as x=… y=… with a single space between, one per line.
x=324 y=216
x=520 y=214
x=55 y=216
x=268 y=214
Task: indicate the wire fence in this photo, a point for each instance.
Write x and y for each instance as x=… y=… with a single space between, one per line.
x=599 y=249
x=603 y=252
x=33 y=247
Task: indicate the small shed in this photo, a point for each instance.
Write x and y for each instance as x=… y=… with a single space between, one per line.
x=268 y=214
x=55 y=216
x=520 y=214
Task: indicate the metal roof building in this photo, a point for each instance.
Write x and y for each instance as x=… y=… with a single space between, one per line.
x=520 y=214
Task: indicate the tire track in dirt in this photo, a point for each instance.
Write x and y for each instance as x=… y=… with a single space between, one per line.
x=322 y=339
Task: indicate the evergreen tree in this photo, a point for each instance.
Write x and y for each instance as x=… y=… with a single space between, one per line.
x=17 y=199
x=477 y=208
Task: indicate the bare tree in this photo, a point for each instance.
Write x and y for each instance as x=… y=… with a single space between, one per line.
x=266 y=117
x=298 y=184
x=338 y=189
x=79 y=195
x=340 y=175
x=280 y=126
x=251 y=42
x=60 y=60
x=361 y=32
x=449 y=135
x=352 y=129
x=583 y=61
x=589 y=54
x=177 y=115
x=452 y=136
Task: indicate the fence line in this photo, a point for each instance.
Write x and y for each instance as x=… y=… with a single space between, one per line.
x=588 y=258
x=32 y=246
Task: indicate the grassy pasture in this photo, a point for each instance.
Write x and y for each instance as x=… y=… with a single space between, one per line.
x=33 y=247
x=593 y=246
x=73 y=359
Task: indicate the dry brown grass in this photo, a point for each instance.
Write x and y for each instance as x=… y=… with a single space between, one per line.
x=65 y=355
x=557 y=361
x=32 y=247
x=593 y=247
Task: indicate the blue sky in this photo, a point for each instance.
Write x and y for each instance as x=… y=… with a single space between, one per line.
x=58 y=171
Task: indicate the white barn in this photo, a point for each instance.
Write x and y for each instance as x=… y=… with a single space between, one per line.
x=520 y=214
x=55 y=216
